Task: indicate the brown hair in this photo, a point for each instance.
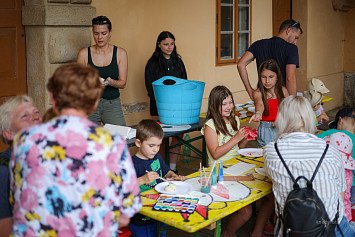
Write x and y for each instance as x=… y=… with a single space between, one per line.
x=148 y=128
x=274 y=67
x=290 y=23
x=75 y=86
x=215 y=100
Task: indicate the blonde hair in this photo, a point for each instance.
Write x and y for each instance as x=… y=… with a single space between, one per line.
x=6 y=110
x=295 y=115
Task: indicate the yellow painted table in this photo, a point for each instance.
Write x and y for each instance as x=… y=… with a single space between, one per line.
x=210 y=212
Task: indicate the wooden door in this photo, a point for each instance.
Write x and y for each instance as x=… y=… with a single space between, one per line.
x=281 y=10
x=12 y=51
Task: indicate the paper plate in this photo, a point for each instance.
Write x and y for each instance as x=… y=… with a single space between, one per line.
x=251 y=152
x=181 y=187
x=261 y=171
x=251 y=109
x=174 y=128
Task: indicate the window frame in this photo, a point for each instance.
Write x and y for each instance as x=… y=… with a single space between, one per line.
x=234 y=60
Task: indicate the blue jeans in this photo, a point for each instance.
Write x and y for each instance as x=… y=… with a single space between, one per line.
x=148 y=230
x=352 y=195
x=347 y=229
x=108 y=111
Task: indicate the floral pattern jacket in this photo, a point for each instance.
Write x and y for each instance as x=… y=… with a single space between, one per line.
x=70 y=177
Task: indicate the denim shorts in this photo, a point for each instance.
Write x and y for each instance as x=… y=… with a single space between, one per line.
x=346 y=228
x=352 y=195
x=108 y=111
x=266 y=133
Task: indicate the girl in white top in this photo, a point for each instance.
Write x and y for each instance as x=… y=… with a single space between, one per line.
x=223 y=135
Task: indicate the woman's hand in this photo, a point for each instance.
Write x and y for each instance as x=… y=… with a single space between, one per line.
x=109 y=82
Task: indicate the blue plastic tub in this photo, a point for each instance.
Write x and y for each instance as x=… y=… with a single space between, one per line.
x=178 y=100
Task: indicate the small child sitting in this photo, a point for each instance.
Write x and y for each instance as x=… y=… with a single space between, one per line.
x=149 y=166
x=344 y=122
x=317 y=85
x=315 y=98
x=343 y=143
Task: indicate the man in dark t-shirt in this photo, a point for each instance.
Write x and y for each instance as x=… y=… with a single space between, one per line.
x=281 y=48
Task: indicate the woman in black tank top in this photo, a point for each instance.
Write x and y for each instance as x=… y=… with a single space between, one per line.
x=111 y=63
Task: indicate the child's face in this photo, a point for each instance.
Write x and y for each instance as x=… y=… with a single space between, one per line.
x=316 y=107
x=346 y=123
x=167 y=46
x=150 y=147
x=227 y=106
x=268 y=78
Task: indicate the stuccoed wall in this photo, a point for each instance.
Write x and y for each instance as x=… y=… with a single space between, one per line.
x=55 y=31
x=137 y=23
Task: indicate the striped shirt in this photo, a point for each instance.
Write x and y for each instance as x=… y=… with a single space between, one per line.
x=302 y=152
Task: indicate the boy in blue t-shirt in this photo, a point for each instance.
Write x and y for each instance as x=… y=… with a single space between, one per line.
x=149 y=166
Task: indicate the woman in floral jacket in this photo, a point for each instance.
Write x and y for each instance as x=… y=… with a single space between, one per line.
x=69 y=176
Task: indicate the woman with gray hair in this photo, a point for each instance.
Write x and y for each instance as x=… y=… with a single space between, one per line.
x=16 y=113
x=301 y=151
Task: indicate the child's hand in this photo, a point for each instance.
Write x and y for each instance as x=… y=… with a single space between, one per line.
x=177 y=177
x=256 y=117
x=323 y=118
x=172 y=176
x=241 y=134
x=150 y=177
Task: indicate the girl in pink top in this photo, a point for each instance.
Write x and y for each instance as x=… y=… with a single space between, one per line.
x=344 y=145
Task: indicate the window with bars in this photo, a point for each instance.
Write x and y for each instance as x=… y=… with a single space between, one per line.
x=232 y=30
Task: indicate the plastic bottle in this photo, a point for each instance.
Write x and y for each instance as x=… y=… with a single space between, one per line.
x=220 y=173
x=186 y=152
x=214 y=177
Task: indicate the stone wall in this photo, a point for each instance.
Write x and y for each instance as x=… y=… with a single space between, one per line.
x=349 y=88
x=55 y=31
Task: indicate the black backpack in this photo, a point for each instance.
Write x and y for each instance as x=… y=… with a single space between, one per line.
x=304 y=214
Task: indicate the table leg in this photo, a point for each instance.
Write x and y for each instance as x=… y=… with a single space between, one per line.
x=204 y=153
x=217 y=231
x=167 y=151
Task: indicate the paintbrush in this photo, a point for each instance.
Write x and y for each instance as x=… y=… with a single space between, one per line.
x=208 y=180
